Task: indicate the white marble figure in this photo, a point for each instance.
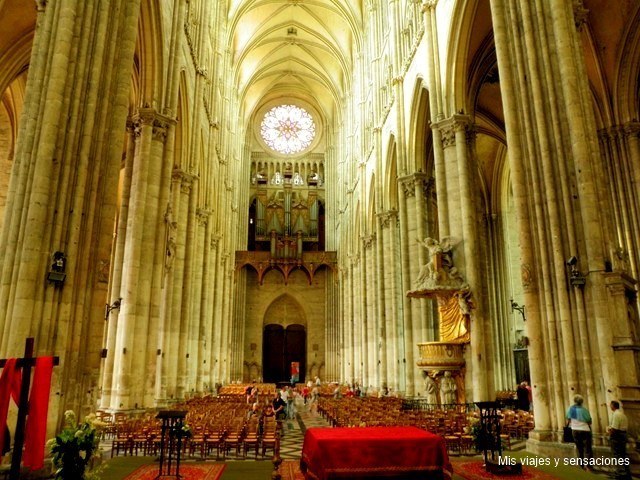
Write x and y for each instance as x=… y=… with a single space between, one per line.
x=448 y=389
x=431 y=390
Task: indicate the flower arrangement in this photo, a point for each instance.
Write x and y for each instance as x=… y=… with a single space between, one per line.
x=476 y=433
x=73 y=448
x=182 y=430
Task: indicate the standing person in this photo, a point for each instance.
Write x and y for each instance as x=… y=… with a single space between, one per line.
x=247 y=392
x=617 y=431
x=579 y=419
x=290 y=408
x=522 y=393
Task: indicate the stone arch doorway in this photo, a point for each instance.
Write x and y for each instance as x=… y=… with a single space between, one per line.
x=281 y=347
x=284 y=339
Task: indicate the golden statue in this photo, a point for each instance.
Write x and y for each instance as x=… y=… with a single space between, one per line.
x=454 y=317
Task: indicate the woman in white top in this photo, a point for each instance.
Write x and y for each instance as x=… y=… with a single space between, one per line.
x=579 y=419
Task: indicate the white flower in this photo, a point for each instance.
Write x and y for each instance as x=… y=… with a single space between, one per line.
x=70 y=417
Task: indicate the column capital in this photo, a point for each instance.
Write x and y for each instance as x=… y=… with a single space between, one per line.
x=421 y=179
x=450 y=126
x=202 y=215
x=150 y=117
x=385 y=217
x=367 y=240
x=407 y=185
x=413 y=180
x=429 y=5
x=215 y=239
x=183 y=178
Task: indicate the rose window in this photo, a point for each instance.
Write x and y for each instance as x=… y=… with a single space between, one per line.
x=288 y=129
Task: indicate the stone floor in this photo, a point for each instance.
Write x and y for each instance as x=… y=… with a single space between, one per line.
x=291 y=448
x=293 y=432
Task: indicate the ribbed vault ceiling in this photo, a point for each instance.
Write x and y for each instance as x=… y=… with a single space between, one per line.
x=292 y=49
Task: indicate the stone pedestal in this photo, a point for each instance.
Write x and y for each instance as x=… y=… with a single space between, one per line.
x=436 y=358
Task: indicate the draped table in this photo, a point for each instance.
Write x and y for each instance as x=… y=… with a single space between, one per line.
x=390 y=452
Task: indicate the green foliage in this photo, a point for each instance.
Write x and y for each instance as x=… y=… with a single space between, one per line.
x=73 y=447
x=476 y=433
x=182 y=430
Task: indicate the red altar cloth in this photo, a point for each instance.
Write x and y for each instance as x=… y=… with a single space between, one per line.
x=400 y=452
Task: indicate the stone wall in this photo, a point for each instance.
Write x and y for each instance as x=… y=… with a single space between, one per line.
x=294 y=303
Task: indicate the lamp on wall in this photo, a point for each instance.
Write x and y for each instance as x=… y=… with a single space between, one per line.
x=113 y=306
x=576 y=278
x=519 y=308
x=57 y=271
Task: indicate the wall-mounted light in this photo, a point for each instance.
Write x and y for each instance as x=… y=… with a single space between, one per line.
x=576 y=278
x=113 y=306
x=519 y=308
x=57 y=271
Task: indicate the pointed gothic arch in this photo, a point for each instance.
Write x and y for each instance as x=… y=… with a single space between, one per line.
x=627 y=87
x=420 y=138
x=150 y=52
x=391 y=176
x=284 y=339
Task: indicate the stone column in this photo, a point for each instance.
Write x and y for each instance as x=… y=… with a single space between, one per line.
x=116 y=272
x=216 y=359
x=358 y=318
x=436 y=110
x=503 y=361
x=62 y=194
x=364 y=320
x=199 y=333
x=382 y=333
x=394 y=323
x=632 y=136
x=428 y=325
x=350 y=323
x=410 y=347
x=143 y=214
x=551 y=136
x=371 y=353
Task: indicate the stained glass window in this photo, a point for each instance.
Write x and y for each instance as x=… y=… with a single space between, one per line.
x=288 y=129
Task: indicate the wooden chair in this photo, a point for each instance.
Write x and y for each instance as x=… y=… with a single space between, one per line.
x=505 y=438
x=196 y=444
x=214 y=439
x=251 y=437
x=124 y=443
x=452 y=443
x=467 y=444
x=234 y=438
x=270 y=438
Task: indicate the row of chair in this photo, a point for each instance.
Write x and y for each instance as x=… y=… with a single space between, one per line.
x=217 y=424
